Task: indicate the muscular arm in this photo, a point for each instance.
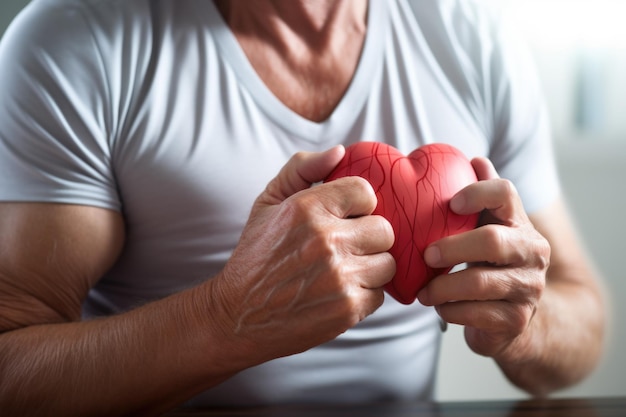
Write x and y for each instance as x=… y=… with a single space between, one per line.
x=50 y=255
x=310 y=264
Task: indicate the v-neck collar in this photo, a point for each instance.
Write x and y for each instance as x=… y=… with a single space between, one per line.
x=350 y=105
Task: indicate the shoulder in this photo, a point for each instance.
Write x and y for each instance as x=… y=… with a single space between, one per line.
x=59 y=33
x=117 y=30
x=51 y=45
x=44 y=24
x=60 y=10
x=68 y=19
x=83 y=46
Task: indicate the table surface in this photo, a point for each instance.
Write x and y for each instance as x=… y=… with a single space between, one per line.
x=564 y=407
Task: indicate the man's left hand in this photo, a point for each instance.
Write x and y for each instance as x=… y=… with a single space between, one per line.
x=496 y=297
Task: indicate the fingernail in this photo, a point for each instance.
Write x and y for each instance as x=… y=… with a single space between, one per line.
x=432 y=256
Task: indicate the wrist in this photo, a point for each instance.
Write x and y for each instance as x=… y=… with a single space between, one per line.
x=528 y=361
x=223 y=350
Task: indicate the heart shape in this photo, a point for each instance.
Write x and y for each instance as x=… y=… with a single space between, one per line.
x=413 y=194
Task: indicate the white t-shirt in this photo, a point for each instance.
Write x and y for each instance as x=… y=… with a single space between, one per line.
x=151 y=108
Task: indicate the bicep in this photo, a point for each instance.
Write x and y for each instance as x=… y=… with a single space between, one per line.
x=50 y=256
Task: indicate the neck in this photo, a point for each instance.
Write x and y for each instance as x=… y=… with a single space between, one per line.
x=305 y=51
x=310 y=21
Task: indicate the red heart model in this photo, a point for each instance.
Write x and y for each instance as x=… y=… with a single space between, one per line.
x=413 y=194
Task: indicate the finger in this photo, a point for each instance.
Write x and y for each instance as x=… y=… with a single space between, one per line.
x=302 y=170
x=356 y=283
x=482 y=284
x=486 y=343
x=492 y=317
x=369 y=300
x=346 y=197
x=371 y=274
x=368 y=235
x=494 y=244
x=499 y=196
x=376 y=270
x=484 y=169
x=489 y=193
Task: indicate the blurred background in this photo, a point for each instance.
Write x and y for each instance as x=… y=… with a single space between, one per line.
x=580 y=52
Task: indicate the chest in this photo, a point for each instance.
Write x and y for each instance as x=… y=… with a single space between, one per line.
x=310 y=81
x=201 y=151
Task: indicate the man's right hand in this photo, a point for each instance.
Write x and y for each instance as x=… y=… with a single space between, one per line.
x=310 y=264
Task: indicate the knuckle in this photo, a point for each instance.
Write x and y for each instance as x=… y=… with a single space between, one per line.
x=538 y=285
x=493 y=239
x=507 y=189
x=543 y=252
x=379 y=298
x=295 y=208
x=321 y=245
x=483 y=282
x=352 y=303
x=535 y=290
x=311 y=239
x=356 y=313
x=520 y=317
x=361 y=186
x=348 y=311
x=527 y=287
x=298 y=157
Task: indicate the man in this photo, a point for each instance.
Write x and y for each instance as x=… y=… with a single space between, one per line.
x=138 y=142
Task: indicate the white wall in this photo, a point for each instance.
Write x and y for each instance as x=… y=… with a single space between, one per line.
x=592 y=172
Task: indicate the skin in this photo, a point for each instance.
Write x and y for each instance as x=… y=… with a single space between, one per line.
x=297 y=296
x=311 y=263
x=530 y=298
x=306 y=51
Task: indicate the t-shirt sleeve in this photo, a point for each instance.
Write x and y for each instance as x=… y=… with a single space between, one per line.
x=521 y=138
x=55 y=123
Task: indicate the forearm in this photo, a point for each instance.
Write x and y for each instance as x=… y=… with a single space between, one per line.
x=563 y=343
x=141 y=362
x=565 y=338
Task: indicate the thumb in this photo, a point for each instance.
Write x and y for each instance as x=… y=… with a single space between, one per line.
x=484 y=169
x=299 y=173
